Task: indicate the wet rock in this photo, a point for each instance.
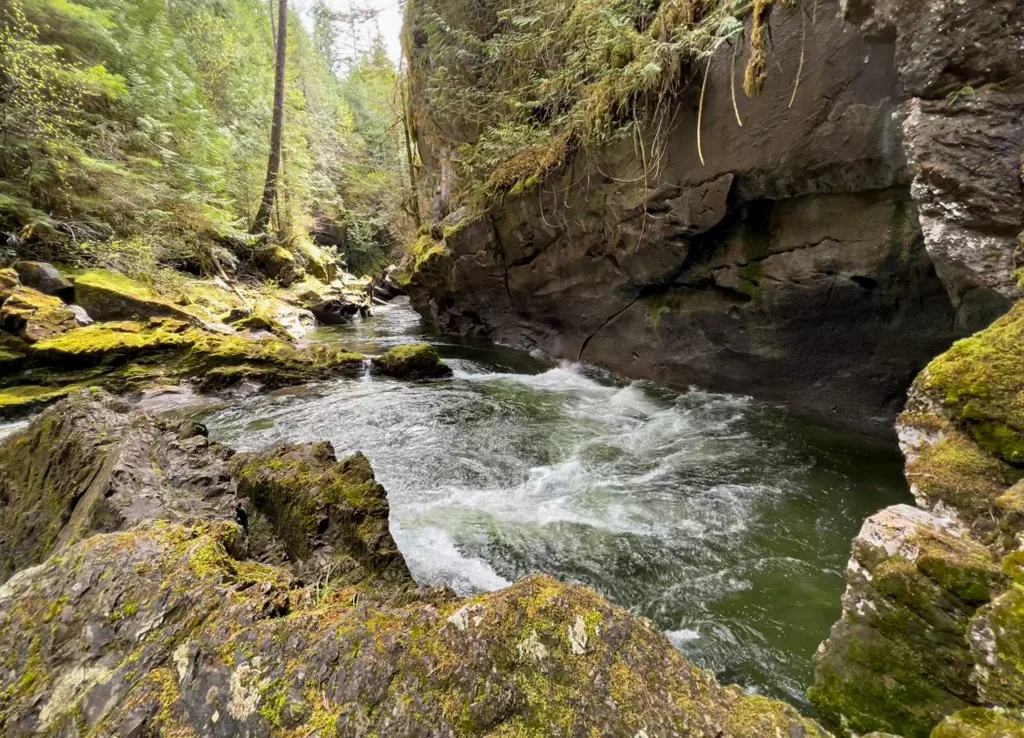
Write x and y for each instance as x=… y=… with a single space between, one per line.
x=46 y=278
x=173 y=634
x=332 y=514
x=109 y=295
x=89 y=465
x=899 y=659
x=335 y=311
x=386 y=287
x=418 y=361
x=34 y=316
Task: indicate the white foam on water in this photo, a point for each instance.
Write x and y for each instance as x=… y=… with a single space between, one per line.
x=435 y=560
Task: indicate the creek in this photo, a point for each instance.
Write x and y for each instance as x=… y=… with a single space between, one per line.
x=725 y=521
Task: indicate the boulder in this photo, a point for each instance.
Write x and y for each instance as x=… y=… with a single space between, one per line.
x=417 y=361
x=982 y=722
x=335 y=311
x=899 y=660
x=327 y=512
x=34 y=316
x=46 y=278
x=281 y=265
x=109 y=295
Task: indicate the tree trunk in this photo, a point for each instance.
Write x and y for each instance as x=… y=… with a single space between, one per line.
x=262 y=221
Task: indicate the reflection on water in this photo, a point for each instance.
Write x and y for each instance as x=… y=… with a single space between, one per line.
x=725 y=521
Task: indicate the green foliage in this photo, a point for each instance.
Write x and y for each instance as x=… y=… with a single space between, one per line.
x=513 y=91
x=139 y=129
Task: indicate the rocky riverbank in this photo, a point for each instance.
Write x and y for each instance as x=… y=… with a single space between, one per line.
x=175 y=588
x=64 y=331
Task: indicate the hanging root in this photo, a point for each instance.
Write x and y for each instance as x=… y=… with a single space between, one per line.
x=700 y=108
x=757 y=66
x=732 y=84
x=800 y=67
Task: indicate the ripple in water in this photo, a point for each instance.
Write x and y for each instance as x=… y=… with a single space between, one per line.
x=725 y=521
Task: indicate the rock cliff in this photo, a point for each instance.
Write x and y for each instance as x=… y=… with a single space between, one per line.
x=819 y=254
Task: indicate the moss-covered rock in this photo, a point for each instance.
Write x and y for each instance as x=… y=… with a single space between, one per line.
x=281 y=265
x=898 y=660
x=980 y=382
x=114 y=342
x=982 y=722
x=195 y=641
x=417 y=361
x=26 y=398
x=997 y=640
x=34 y=316
x=8 y=281
x=109 y=295
x=220 y=361
x=321 y=508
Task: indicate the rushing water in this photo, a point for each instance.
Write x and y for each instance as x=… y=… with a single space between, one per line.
x=725 y=521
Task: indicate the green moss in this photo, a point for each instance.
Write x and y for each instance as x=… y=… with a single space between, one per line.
x=980 y=380
x=109 y=295
x=660 y=304
x=414 y=361
x=112 y=342
x=35 y=316
x=27 y=397
x=982 y=722
x=958 y=472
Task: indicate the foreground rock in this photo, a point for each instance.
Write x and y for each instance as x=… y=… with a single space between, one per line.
x=933 y=618
x=418 y=361
x=35 y=316
x=176 y=626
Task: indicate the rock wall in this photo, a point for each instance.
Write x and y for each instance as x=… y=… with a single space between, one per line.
x=790 y=264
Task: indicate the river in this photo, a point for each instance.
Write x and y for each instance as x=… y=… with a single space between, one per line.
x=725 y=521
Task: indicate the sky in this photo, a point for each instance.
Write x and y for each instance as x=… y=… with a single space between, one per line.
x=389 y=20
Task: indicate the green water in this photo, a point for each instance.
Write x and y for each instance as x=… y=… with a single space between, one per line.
x=725 y=521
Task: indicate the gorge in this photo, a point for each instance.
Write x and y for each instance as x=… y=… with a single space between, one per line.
x=703 y=295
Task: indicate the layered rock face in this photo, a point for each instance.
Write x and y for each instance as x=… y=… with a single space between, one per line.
x=933 y=621
x=790 y=264
x=185 y=590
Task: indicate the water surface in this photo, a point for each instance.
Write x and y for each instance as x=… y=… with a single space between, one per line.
x=725 y=521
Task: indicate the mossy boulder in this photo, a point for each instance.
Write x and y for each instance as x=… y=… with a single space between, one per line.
x=325 y=511
x=109 y=295
x=26 y=398
x=114 y=342
x=982 y=722
x=220 y=361
x=46 y=278
x=34 y=316
x=997 y=640
x=175 y=635
x=980 y=383
x=417 y=361
x=281 y=265
x=898 y=660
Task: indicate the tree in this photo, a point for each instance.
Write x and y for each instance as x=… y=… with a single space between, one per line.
x=262 y=220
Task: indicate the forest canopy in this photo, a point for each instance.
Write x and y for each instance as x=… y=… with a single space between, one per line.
x=136 y=132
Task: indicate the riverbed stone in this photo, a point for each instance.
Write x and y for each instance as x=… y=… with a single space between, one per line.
x=415 y=361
